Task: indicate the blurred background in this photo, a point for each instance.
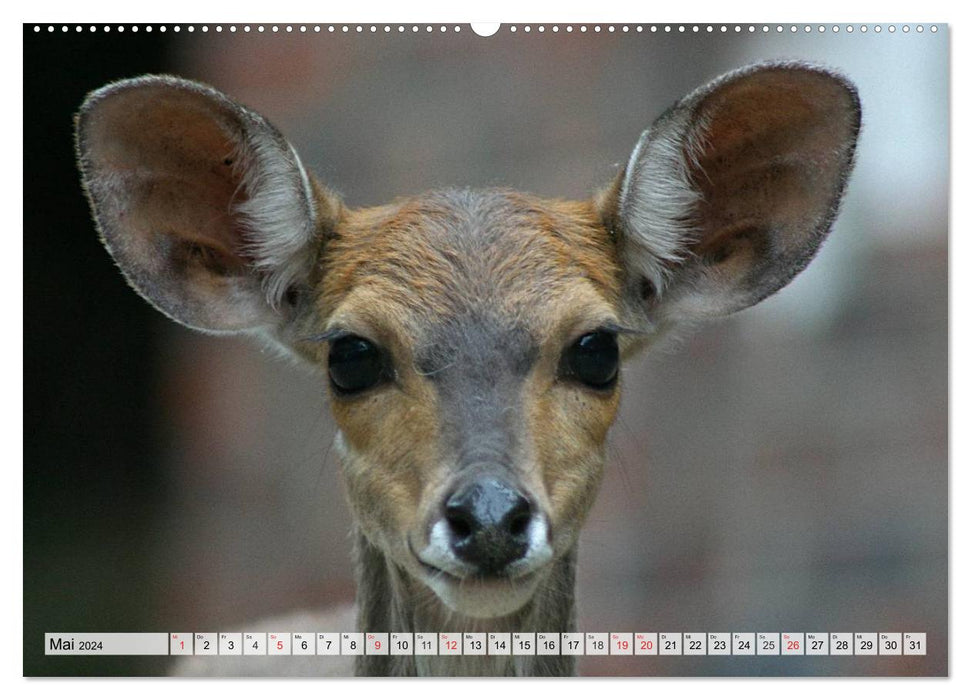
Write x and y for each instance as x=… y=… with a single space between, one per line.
x=784 y=470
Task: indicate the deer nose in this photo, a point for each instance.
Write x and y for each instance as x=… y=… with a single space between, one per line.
x=488 y=522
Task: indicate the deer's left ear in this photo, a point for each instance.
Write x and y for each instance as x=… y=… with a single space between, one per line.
x=731 y=192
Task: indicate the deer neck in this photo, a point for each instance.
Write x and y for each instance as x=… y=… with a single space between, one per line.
x=390 y=600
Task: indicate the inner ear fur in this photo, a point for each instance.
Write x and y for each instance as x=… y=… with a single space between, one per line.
x=731 y=192
x=202 y=203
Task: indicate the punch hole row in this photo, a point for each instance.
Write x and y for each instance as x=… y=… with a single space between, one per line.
x=428 y=28
x=710 y=29
x=260 y=28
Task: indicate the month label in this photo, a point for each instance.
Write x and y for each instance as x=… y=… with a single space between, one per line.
x=107 y=643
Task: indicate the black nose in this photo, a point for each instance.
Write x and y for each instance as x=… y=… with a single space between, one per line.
x=488 y=524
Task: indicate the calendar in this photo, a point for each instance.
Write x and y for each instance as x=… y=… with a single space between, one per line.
x=772 y=478
x=629 y=644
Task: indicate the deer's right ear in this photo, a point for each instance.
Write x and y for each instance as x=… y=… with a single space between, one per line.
x=204 y=206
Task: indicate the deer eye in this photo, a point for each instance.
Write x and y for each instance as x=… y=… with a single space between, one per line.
x=355 y=364
x=593 y=359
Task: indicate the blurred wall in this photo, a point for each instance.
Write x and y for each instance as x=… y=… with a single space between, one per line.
x=785 y=470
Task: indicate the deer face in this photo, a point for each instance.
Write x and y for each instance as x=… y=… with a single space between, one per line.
x=472 y=351
x=470 y=339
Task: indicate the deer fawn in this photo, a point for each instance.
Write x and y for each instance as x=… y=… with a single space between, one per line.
x=471 y=338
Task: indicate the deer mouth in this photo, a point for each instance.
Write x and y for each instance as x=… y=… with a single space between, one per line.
x=473 y=578
x=469 y=592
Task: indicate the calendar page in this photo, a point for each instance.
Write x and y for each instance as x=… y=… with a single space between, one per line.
x=482 y=386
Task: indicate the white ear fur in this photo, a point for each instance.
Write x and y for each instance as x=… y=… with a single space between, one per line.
x=657 y=198
x=279 y=217
x=731 y=192
x=203 y=204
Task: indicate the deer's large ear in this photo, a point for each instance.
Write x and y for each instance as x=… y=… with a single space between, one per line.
x=731 y=192
x=202 y=203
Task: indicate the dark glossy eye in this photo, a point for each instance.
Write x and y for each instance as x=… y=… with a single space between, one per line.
x=593 y=359
x=355 y=364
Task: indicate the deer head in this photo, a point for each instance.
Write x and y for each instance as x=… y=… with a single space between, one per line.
x=471 y=339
